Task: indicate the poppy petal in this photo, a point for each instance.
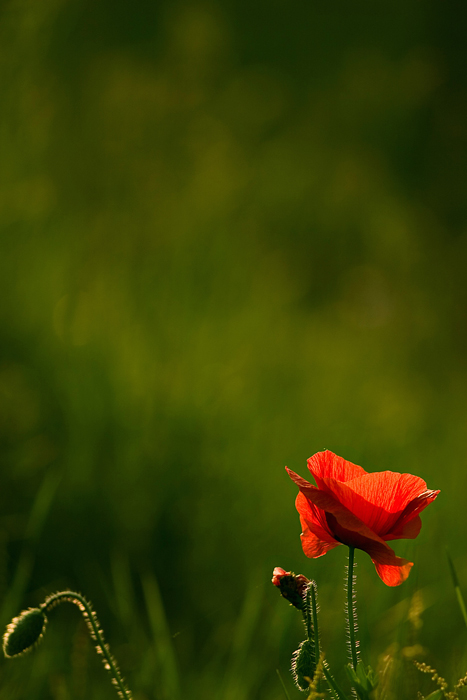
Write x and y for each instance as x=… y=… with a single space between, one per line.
x=391 y=569
x=406 y=531
x=312 y=545
x=350 y=523
x=316 y=537
x=393 y=575
x=379 y=499
x=327 y=464
x=379 y=552
x=408 y=524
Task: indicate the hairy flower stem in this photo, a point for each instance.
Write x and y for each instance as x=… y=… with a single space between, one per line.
x=314 y=608
x=307 y=616
x=96 y=633
x=310 y=616
x=351 y=612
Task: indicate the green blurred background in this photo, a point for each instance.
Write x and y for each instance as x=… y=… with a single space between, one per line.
x=232 y=234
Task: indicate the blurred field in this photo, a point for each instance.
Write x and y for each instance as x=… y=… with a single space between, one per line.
x=232 y=235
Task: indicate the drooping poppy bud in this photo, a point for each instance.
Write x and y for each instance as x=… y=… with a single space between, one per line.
x=291 y=587
x=24 y=632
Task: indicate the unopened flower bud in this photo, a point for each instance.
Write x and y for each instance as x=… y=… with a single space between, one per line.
x=24 y=631
x=304 y=665
x=292 y=587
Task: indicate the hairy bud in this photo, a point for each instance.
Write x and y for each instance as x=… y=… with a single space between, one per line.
x=304 y=665
x=24 y=632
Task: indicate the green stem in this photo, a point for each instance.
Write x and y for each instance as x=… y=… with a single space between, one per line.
x=314 y=608
x=351 y=612
x=96 y=634
x=336 y=691
x=307 y=616
x=312 y=603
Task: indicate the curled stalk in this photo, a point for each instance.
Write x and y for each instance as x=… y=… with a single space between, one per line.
x=26 y=630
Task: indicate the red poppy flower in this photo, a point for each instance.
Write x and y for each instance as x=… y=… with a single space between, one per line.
x=349 y=506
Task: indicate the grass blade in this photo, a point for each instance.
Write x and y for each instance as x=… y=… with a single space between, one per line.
x=283 y=684
x=455 y=580
x=164 y=651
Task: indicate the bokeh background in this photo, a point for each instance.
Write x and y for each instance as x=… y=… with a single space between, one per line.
x=232 y=234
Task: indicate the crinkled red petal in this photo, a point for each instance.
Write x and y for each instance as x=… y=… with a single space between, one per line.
x=408 y=525
x=350 y=523
x=378 y=499
x=391 y=569
x=316 y=537
x=312 y=545
x=327 y=464
x=393 y=575
x=407 y=531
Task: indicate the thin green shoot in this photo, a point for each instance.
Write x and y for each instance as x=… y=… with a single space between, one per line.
x=283 y=684
x=455 y=580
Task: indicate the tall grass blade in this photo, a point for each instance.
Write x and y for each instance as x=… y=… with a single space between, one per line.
x=282 y=684
x=34 y=527
x=236 y=676
x=42 y=504
x=123 y=587
x=164 y=651
x=455 y=580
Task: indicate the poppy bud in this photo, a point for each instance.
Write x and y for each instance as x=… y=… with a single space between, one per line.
x=24 y=631
x=304 y=665
x=292 y=587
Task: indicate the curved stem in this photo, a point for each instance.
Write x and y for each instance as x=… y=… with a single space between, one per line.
x=351 y=612
x=96 y=633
